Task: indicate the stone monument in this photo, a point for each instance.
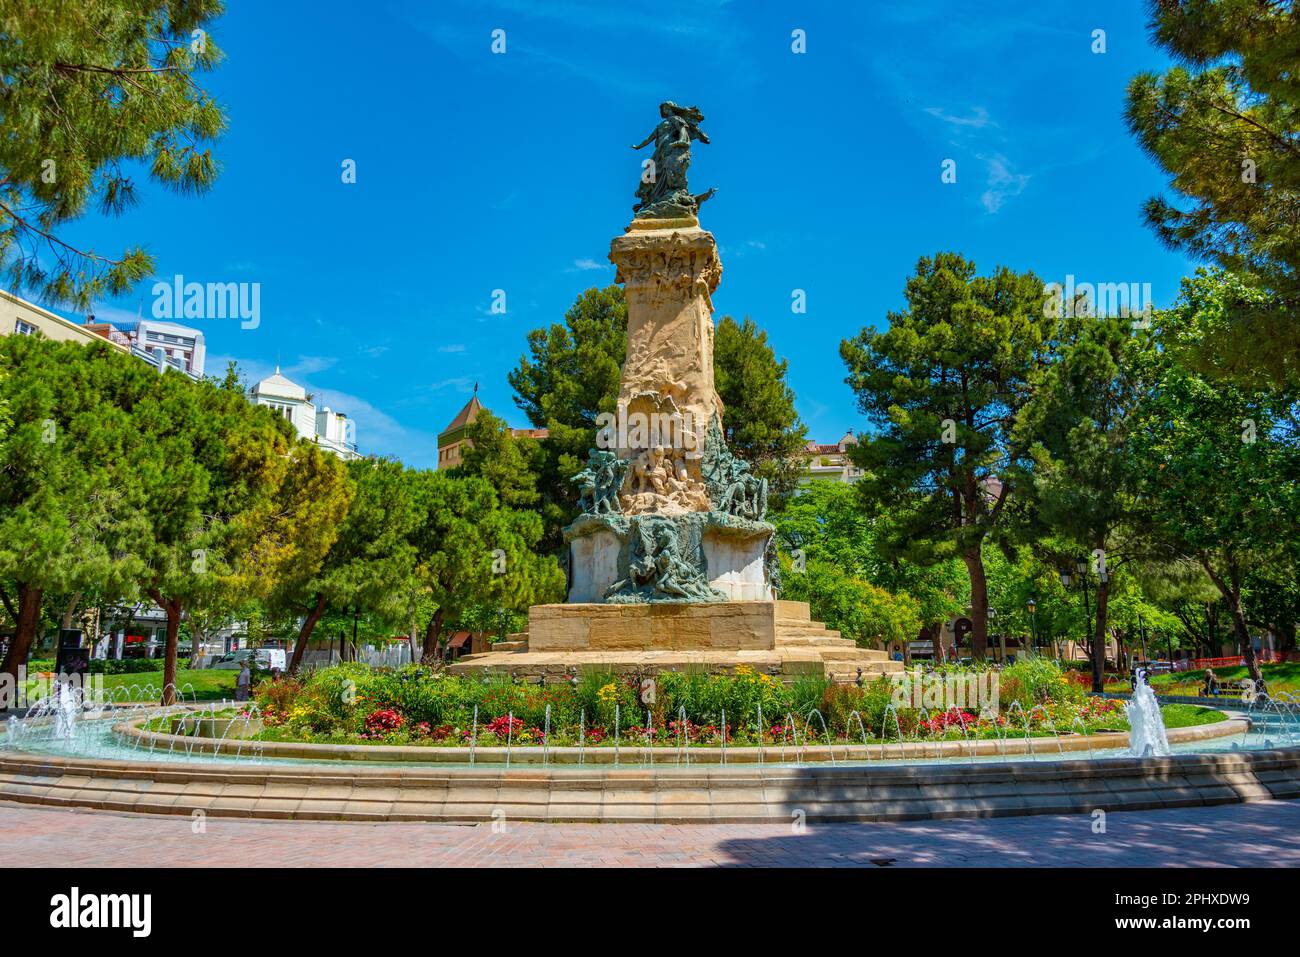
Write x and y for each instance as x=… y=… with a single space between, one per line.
x=671 y=561
x=669 y=515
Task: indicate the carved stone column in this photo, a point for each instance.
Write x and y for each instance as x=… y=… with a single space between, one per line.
x=669 y=275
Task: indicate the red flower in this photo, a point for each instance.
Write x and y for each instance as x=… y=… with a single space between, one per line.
x=384 y=721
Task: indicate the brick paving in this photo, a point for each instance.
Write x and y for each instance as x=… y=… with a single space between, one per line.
x=1266 y=833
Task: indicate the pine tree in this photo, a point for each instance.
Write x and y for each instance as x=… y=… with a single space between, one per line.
x=759 y=419
x=63 y=507
x=1077 y=423
x=472 y=552
x=941 y=388
x=91 y=88
x=369 y=568
x=1225 y=123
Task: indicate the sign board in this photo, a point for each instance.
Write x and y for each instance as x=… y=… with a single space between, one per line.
x=275 y=658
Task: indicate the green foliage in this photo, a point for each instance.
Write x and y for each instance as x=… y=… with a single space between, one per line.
x=369 y=568
x=866 y=613
x=64 y=501
x=941 y=388
x=1223 y=122
x=827 y=523
x=92 y=87
x=1035 y=681
x=1216 y=464
x=509 y=464
x=470 y=552
x=569 y=376
x=759 y=419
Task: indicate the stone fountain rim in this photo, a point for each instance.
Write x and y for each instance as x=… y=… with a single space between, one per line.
x=343 y=754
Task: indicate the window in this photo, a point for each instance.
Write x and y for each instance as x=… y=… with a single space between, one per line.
x=24 y=328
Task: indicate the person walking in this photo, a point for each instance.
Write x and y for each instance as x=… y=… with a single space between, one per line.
x=243 y=681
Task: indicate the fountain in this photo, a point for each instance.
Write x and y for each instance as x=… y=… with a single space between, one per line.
x=1146 y=725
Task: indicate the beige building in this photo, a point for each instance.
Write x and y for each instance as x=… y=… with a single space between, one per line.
x=829 y=463
x=23 y=318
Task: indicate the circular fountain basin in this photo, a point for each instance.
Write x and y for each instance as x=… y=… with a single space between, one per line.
x=116 y=765
x=632 y=752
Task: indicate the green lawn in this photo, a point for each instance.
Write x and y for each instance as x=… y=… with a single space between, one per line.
x=209 y=684
x=1189 y=715
x=1279 y=677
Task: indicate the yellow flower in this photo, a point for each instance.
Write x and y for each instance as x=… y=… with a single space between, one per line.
x=743 y=671
x=608 y=694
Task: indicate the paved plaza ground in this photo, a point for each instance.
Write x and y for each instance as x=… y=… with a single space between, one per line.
x=1266 y=833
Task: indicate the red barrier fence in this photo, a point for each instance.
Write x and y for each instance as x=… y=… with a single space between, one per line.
x=1265 y=658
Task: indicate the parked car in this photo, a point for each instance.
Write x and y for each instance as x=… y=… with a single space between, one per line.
x=232 y=661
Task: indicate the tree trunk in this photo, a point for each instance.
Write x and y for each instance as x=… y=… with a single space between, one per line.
x=172 y=606
x=979 y=603
x=70 y=611
x=304 y=634
x=1099 y=638
x=1230 y=588
x=432 y=632
x=29 y=616
x=1242 y=634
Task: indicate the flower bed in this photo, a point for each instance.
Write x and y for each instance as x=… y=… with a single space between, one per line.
x=353 y=704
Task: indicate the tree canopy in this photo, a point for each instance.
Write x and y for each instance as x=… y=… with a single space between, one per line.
x=1224 y=122
x=92 y=89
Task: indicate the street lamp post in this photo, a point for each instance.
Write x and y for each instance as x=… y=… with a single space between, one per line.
x=1032 y=606
x=1097 y=655
x=1093 y=652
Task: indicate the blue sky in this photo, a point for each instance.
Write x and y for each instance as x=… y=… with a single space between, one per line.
x=478 y=171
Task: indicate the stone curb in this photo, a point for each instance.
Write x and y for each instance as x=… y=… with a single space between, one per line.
x=698 y=793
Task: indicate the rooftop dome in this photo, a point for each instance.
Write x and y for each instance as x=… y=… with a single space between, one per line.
x=280 y=387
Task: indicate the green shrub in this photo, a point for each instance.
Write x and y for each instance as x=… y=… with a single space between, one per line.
x=807 y=692
x=1034 y=681
x=104 y=666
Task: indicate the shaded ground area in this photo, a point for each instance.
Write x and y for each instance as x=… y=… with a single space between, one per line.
x=1261 y=834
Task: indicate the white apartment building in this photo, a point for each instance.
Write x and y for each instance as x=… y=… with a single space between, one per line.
x=157 y=341
x=330 y=430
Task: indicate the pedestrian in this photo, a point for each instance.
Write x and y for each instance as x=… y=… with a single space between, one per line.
x=243 y=681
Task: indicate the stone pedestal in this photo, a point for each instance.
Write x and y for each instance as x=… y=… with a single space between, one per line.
x=659 y=627
x=732 y=553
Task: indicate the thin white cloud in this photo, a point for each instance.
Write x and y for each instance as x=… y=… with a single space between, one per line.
x=1003 y=182
x=586 y=264
x=978 y=120
x=453 y=347
x=309 y=365
x=460 y=383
